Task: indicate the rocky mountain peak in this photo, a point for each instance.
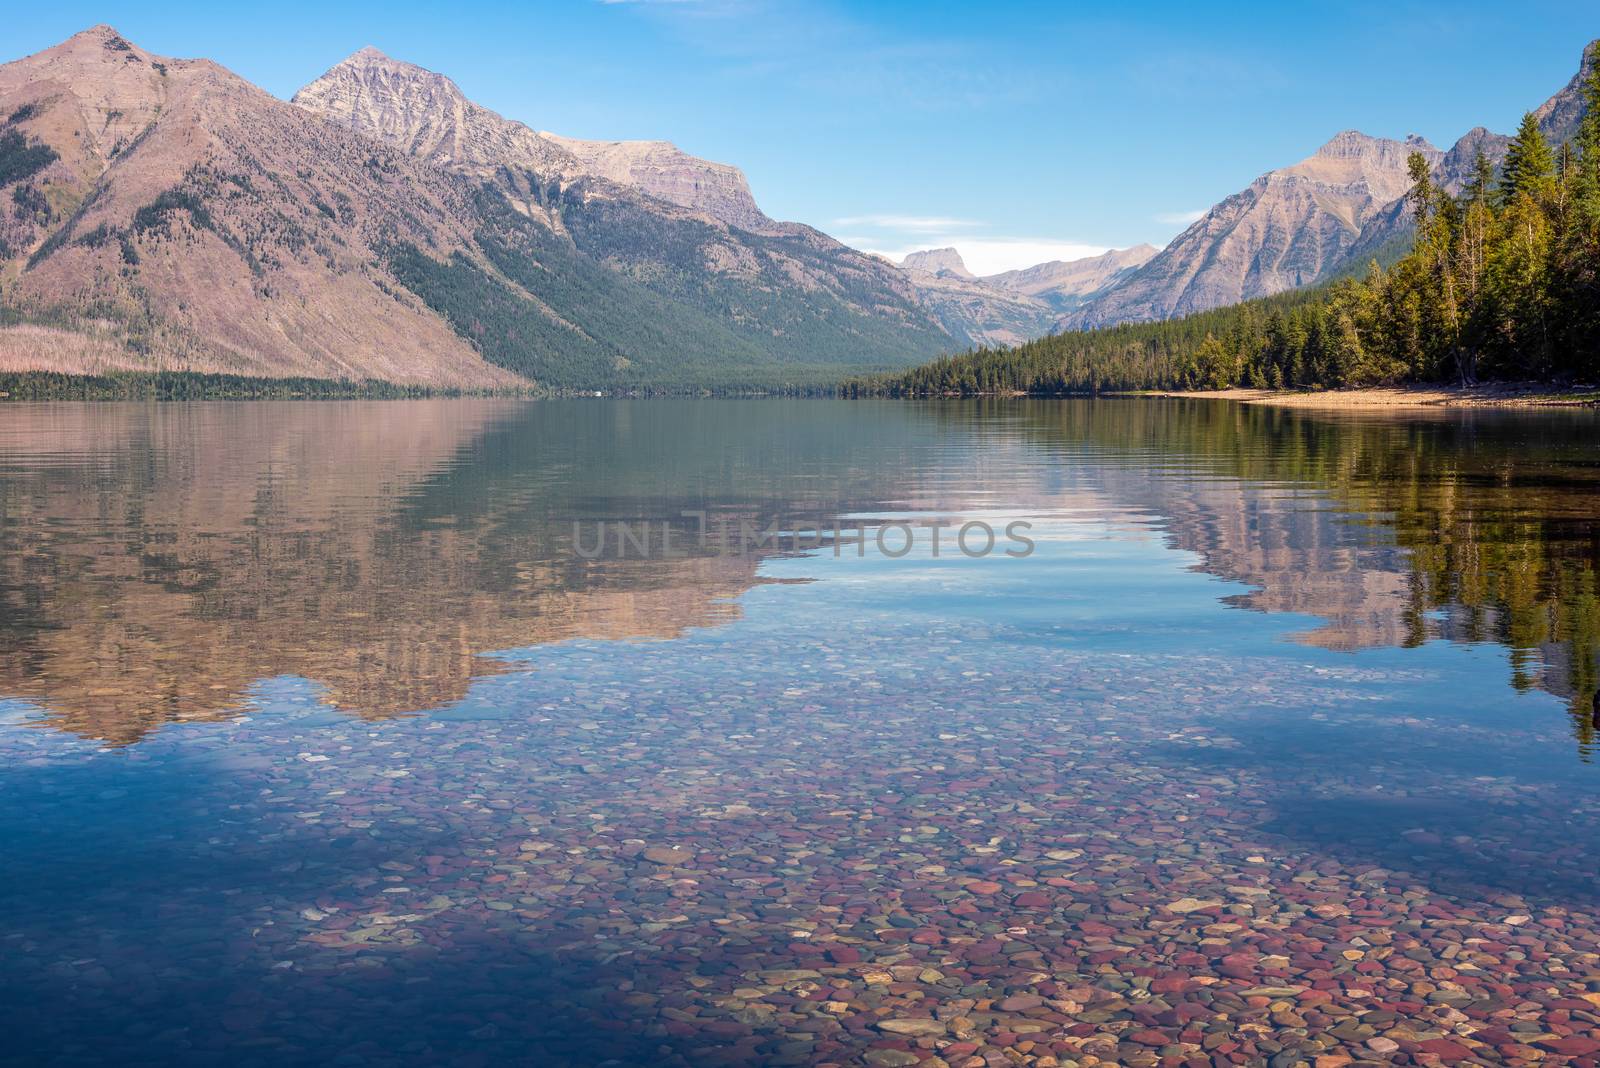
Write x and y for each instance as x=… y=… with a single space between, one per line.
x=1345 y=143
x=946 y=262
x=663 y=170
x=371 y=64
x=425 y=113
x=1065 y=283
x=1456 y=169
x=1355 y=145
x=100 y=45
x=1558 y=117
x=1289 y=228
x=430 y=116
x=1366 y=170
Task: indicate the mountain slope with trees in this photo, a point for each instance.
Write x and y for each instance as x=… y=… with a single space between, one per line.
x=161 y=216
x=1502 y=283
x=1321 y=219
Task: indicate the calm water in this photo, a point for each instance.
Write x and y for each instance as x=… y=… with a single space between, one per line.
x=327 y=735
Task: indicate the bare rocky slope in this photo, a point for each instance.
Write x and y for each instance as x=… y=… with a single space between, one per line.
x=1558 y=117
x=665 y=171
x=1288 y=229
x=944 y=262
x=162 y=214
x=1325 y=216
x=168 y=215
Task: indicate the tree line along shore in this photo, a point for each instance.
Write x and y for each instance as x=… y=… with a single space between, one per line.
x=1501 y=285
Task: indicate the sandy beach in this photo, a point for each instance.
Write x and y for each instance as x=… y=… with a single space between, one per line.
x=1499 y=395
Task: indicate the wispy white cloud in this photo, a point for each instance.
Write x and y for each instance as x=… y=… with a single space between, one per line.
x=914 y=224
x=1180 y=218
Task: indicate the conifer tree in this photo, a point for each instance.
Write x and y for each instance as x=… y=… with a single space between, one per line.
x=1530 y=165
x=1481 y=184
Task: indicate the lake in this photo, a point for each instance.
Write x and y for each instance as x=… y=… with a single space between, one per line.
x=661 y=733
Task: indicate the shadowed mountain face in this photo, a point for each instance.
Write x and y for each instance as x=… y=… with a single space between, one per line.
x=166 y=215
x=1327 y=215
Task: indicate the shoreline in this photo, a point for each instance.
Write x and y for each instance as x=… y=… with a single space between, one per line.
x=1497 y=395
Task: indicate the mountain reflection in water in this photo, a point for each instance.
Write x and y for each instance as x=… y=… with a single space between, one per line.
x=161 y=561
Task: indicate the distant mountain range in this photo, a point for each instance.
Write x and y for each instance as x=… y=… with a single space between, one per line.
x=1009 y=308
x=1328 y=215
x=165 y=214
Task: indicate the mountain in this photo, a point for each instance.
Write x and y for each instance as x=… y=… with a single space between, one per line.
x=979 y=315
x=1388 y=234
x=1558 y=117
x=666 y=172
x=169 y=215
x=163 y=214
x=1287 y=229
x=1329 y=215
x=788 y=294
x=1015 y=306
x=1063 y=284
x=944 y=262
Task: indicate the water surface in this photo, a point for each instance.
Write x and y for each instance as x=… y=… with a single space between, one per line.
x=326 y=735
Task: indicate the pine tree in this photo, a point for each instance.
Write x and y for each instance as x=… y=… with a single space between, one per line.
x=1481 y=183
x=1579 y=270
x=1530 y=166
x=1421 y=195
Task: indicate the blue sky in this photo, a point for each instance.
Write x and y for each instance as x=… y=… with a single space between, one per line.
x=1016 y=131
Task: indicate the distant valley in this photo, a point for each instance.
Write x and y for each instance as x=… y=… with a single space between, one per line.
x=1010 y=308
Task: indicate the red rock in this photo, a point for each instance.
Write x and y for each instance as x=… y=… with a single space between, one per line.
x=1020 y=1003
x=1571 y=1046
x=1454 y=1052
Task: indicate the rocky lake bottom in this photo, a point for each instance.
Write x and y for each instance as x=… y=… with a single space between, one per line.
x=321 y=744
